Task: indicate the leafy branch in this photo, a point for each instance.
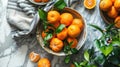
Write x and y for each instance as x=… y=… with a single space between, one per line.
x=108 y=46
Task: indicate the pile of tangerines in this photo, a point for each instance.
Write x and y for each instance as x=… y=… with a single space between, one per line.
x=112 y=8
x=73 y=27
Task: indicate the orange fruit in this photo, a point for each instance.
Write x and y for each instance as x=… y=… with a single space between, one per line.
x=89 y=4
x=34 y=57
x=72 y=65
x=53 y=16
x=105 y=5
x=113 y=1
x=66 y=18
x=63 y=34
x=45 y=0
x=117 y=21
x=117 y=5
x=56 y=24
x=73 y=31
x=78 y=22
x=44 y=62
x=38 y=0
x=74 y=42
x=112 y=13
x=56 y=44
x=43 y=34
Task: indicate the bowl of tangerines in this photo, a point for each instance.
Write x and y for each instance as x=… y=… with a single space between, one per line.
x=110 y=11
x=64 y=31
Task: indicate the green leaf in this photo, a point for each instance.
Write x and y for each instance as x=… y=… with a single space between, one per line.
x=97 y=43
x=86 y=55
x=60 y=4
x=49 y=36
x=74 y=50
x=100 y=59
x=117 y=43
x=109 y=27
x=76 y=64
x=96 y=27
x=60 y=28
x=114 y=60
x=42 y=14
x=67 y=59
x=83 y=63
x=66 y=48
x=106 y=49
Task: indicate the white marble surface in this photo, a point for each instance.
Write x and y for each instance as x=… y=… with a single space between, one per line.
x=17 y=53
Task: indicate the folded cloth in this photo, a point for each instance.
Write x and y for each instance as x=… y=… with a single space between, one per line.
x=23 y=17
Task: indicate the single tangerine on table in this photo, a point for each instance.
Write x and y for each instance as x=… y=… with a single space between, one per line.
x=44 y=62
x=74 y=42
x=117 y=21
x=66 y=18
x=56 y=44
x=34 y=57
x=63 y=34
x=73 y=31
x=89 y=4
x=113 y=12
x=53 y=16
x=105 y=5
x=78 y=22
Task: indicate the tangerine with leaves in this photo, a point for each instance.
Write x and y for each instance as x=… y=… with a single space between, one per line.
x=63 y=34
x=89 y=4
x=73 y=30
x=74 y=42
x=53 y=16
x=66 y=18
x=105 y=5
x=56 y=44
x=44 y=62
x=112 y=13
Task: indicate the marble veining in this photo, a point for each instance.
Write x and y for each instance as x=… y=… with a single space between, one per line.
x=17 y=55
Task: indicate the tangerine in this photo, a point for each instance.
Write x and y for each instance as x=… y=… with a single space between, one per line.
x=53 y=16
x=112 y=13
x=56 y=44
x=89 y=4
x=66 y=18
x=44 y=62
x=78 y=22
x=117 y=5
x=63 y=34
x=34 y=57
x=105 y=5
x=117 y=21
x=73 y=30
x=74 y=42
x=56 y=24
x=43 y=34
